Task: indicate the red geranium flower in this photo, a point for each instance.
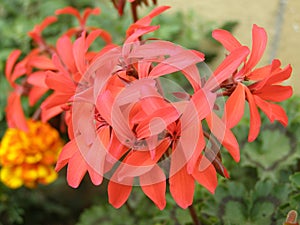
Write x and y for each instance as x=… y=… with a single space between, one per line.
x=124 y=124
x=32 y=83
x=264 y=87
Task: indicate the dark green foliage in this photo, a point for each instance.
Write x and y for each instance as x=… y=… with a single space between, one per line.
x=10 y=209
x=234 y=204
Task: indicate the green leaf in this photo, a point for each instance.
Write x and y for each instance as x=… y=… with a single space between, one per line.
x=234 y=204
x=295 y=179
x=262 y=212
x=271 y=153
x=235 y=212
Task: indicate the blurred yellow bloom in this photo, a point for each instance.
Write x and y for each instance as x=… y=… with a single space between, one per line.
x=28 y=158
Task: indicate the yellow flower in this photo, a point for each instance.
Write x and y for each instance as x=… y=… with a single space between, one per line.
x=28 y=158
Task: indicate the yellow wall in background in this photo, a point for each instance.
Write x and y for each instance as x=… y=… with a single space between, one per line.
x=280 y=18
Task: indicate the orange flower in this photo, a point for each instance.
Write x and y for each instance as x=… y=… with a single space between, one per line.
x=27 y=158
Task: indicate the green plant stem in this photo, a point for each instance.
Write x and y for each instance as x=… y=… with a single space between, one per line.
x=194 y=215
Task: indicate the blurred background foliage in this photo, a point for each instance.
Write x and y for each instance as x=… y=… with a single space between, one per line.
x=263 y=187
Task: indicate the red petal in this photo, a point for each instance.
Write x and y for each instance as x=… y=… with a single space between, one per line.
x=182 y=186
x=76 y=169
x=10 y=62
x=67 y=152
x=61 y=84
x=191 y=141
x=146 y=106
x=64 y=48
x=145 y=21
x=121 y=127
x=46 y=22
x=275 y=93
x=83 y=120
x=224 y=135
x=96 y=178
x=116 y=151
x=96 y=165
x=143 y=69
x=226 y=39
x=48 y=113
x=35 y=94
x=157 y=122
x=227 y=67
x=273 y=111
x=118 y=193
x=260 y=73
x=155 y=12
x=19 y=70
x=87 y=12
x=79 y=50
x=95 y=158
x=259 y=42
x=192 y=74
x=105 y=109
x=94 y=34
x=72 y=31
x=200 y=106
x=14 y=112
x=195 y=148
x=280 y=76
x=207 y=176
x=139 y=162
x=60 y=67
x=120 y=120
x=255 y=121
x=56 y=99
x=176 y=62
x=138 y=33
x=154 y=49
x=153 y=189
x=37 y=30
x=38 y=78
x=102 y=67
x=69 y=10
x=41 y=62
x=234 y=107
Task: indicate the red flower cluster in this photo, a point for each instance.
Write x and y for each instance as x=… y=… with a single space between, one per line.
x=124 y=124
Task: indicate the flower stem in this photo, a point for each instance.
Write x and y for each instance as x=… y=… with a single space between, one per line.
x=129 y=208
x=134 y=11
x=194 y=215
x=37 y=114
